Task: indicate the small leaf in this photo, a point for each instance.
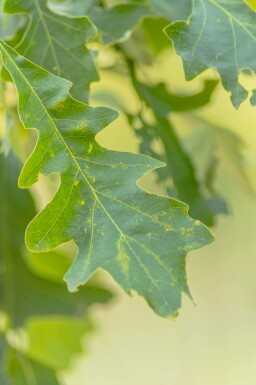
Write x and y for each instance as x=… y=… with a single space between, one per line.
x=218 y=34
x=139 y=238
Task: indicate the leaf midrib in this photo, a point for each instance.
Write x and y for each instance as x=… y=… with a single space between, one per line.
x=55 y=128
x=86 y=179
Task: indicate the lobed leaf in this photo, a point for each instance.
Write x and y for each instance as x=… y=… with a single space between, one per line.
x=139 y=238
x=24 y=294
x=57 y=43
x=220 y=34
x=114 y=24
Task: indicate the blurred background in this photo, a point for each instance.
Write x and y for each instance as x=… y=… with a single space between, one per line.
x=211 y=342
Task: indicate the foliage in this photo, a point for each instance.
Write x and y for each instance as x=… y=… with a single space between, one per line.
x=25 y=293
x=52 y=52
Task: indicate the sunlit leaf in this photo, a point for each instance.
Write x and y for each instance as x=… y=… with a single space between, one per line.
x=139 y=238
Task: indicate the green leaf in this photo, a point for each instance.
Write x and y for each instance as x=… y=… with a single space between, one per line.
x=54 y=341
x=56 y=43
x=24 y=371
x=9 y=24
x=220 y=34
x=73 y=7
x=24 y=294
x=152 y=29
x=3 y=348
x=114 y=24
x=203 y=204
x=164 y=102
x=211 y=144
x=17 y=369
x=139 y=238
x=172 y=9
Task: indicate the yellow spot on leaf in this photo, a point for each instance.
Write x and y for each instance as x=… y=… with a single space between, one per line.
x=89 y=151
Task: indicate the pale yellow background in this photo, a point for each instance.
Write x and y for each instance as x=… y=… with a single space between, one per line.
x=213 y=343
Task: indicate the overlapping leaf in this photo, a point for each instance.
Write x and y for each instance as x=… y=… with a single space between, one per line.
x=56 y=43
x=203 y=204
x=18 y=369
x=139 y=238
x=9 y=24
x=24 y=371
x=22 y=293
x=25 y=295
x=213 y=144
x=73 y=7
x=220 y=34
x=114 y=23
x=172 y=9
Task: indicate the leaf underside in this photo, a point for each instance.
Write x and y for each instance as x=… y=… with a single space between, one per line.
x=139 y=238
x=219 y=34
